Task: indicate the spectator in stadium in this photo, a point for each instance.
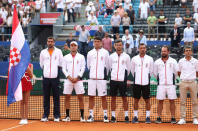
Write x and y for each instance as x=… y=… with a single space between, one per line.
x=2 y=22
x=100 y=33
x=175 y=36
x=50 y=78
x=26 y=88
x=127 y=40
x=73 y=67
x=31 y=3
x=117 y=3
x=143 y=9
x=77 y=8
x=89 y=8
x=60 y=5
x=96 y=4
x=115 y=22
x=162 y=21
x=119 y=73
x=152 y=5
x=141 y=38
x=102 y=9
x=97 y=77
x=151 y=20
x=107 y=42
x=195 y=17
x=176 y=2
x=70 y=10
x=9 y=21
x=20 y=12
x=178 y=20
x=26 y=7
x=160 y=2
x=195 y=5
x=183 y=3
x=25 y=21
x=92 y=20
x=131 y=14
x=117 y=36
x=52 y=5
x=189 y=35
x=70 y=39
x=125 y=22
x=31 y=12
x=84 y=39
x=165 y=70
x=109 y=6
x=120 y=10
x=127 y=4
x=38 y=6
x=66 y=49
x=188 y=72
x=141 y=69
x=187 y=17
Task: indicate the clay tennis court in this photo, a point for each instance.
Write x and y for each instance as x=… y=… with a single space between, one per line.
x=12 y=125
x=36 y=109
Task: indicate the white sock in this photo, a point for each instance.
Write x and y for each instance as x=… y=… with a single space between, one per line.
x=147 y=113
x=126 y=113
x=105 y=112
x=91 y=112
x=136 y=113
x=113 y=113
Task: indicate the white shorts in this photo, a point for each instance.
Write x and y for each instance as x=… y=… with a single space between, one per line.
x=143 y=15
x=100 y=85
x=69 y=86
x=169 y=90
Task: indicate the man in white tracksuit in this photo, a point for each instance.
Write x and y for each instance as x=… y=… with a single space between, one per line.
x=73 y=67
x=141 y=69
x=97 y=63
x=165 y=70
x=50 y=60
x=119 y=65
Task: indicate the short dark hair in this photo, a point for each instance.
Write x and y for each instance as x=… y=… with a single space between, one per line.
x=165 y=46
x=118 y=41
x=187 y=47
x=82 y=26
x=141 y=45
x=98 y=38
x=51 y=37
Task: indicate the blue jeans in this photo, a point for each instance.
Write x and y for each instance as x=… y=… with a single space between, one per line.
x=84 y=48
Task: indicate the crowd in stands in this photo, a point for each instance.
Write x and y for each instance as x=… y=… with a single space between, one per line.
x=25 y=9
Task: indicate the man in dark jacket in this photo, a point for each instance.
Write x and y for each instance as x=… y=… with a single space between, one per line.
x=175 y=36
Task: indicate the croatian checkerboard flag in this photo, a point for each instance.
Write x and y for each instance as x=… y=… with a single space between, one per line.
x=18 y=63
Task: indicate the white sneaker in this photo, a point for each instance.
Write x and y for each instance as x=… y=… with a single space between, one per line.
x=90 y=119
x=44 y=119
x=195 y=121
x=66 y=119
x=106 y=119
x=56 y=119
x=82 y=119
x=23 y=122
x=181 y=122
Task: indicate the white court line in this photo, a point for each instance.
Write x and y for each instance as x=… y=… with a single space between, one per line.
x=17 y=126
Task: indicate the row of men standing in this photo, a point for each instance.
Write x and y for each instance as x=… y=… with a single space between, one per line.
x=99 y=63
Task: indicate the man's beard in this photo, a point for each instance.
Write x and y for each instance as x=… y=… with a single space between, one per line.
x=164 y=56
